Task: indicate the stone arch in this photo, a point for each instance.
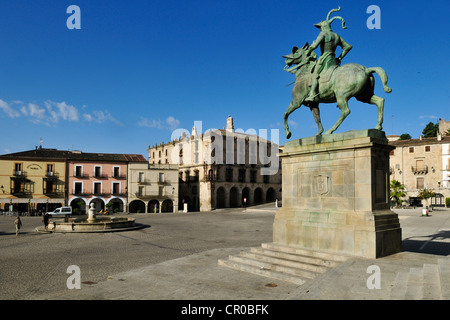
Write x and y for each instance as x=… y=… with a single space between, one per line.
x=117 y=205
x=78 y=205
x=167 y=206
x=271 y=195
x=99 y=203
x=234 y=197
x=153 y=206
x=137 y=206
x=258 y=196
x=220 y=197
x=246 y=196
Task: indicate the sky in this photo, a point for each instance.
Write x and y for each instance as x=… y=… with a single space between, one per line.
x=139 y=69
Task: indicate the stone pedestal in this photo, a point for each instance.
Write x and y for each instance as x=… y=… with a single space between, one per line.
x=336 y=195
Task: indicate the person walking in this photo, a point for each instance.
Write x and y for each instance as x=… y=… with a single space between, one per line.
x=45 y=220
x=18 y=224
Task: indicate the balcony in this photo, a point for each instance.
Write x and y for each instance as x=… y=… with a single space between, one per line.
x=81 y=176
x=100 y=176
x=419 y=169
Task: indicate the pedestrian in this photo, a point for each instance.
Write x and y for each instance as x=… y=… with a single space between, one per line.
x=45 y=220
x=18 y=224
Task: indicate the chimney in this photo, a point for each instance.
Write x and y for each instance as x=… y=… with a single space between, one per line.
x=230 y=125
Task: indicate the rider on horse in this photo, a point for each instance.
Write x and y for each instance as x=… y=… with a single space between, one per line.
x=328 y=41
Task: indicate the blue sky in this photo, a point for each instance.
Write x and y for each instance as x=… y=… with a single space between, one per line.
x=139 y=69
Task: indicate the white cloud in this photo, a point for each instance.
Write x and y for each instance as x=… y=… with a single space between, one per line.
x=52 y=113
x=429 y=117
x=6 y=108
x=171 y=123
x=61 y=110
x=144 y=122
x=101 y=117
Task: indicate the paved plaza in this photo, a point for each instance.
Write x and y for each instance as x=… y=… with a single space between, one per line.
x=175 y=257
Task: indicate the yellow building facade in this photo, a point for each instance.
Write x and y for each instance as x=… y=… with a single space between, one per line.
x=29 y=185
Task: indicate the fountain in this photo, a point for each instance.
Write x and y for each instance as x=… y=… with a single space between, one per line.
x=92 y=223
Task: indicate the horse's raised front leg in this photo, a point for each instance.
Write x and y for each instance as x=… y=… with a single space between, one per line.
x=316 y=113
x=292 y=107
x=345 y=111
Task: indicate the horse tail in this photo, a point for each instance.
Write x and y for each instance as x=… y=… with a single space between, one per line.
x=383 y=76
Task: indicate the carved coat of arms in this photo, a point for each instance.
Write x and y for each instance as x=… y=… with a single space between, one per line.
x=321 y=183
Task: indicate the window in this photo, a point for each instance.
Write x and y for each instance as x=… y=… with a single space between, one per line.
x=420 y=165
x=49 y=186
x=97 y=187
x=241 y=175
x=98 y=172
x=161 y=177
x=116 y=172
x=391 y=153
x=17 y=169
x=253 y=176
x=141 y=177
x=140 y=192
x=420 y=183
x=78 y=171
x=411 y=149
x=229 y=175
x=50 y=169
x=161 y=191
x=116 y=188
x=427 y=148
x=78 y=188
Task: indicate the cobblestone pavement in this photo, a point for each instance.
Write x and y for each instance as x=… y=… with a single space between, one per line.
x=176 y=258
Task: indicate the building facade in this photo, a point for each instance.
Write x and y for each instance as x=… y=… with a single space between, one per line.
x=222 y=168
x=153 y=188
x=44 y=179
x=422 y=163
x=31 y=182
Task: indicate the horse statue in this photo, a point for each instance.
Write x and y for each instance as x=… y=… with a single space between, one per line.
x=336 y=83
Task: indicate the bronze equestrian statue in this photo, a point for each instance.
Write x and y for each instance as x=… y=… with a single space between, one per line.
x=326 y=81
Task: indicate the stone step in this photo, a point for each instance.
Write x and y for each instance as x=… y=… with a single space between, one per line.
x=414 y=287
x=399 y=289
x=431 y=282
x=306 y=252
x=269 y=263
x=444 y=276
x=261 y=271
x=293 y=260
x=292 y=264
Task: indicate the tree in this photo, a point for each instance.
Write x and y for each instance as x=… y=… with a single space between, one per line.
x=430 y=130
x=426 y=194
x=397 y=192
x=405 y=136
x=447 y=132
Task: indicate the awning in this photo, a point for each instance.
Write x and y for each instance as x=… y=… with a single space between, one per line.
x=28 y=200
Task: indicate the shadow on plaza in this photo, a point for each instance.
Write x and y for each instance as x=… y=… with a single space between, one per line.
x=432 y=244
